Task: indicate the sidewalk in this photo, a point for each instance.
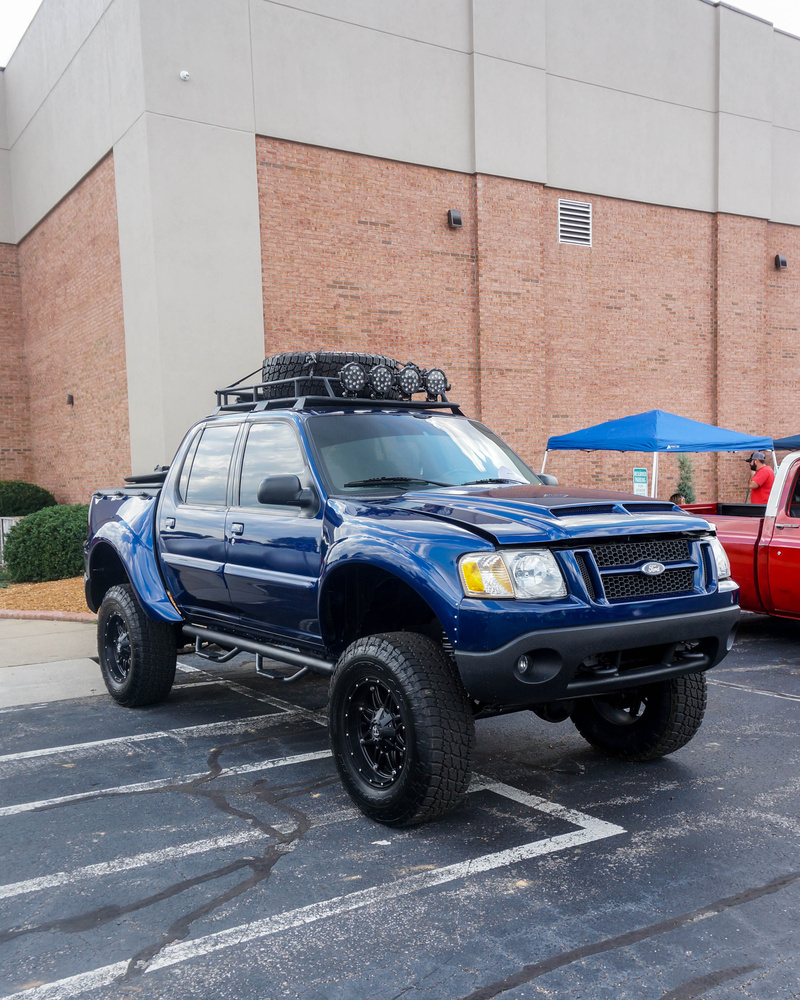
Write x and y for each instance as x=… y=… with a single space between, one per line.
x=45 y=660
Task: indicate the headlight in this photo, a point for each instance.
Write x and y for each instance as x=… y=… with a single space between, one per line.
x=721 y=557
x=528 y=574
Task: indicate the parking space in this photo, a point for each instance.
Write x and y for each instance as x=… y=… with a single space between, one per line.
x=205 y=847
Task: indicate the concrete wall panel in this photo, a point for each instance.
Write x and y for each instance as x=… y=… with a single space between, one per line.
x=193 y=313
x=325 y=82
x=662 y=50
x=143 y=331
x=211 y=41
x=445 y=22
x=785 y=80
x=66 y=137
x=27 y=80
x=616 y=144
x=510 y=119
x=785 y=189
x=745 y=166
x=511 y=29
x=123 y=39
x=745 y=65
x=7 y=230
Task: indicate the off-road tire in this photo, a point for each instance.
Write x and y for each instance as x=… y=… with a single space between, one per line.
x=308 y=364
x=137 y=655
x=671 y=714
x=432 y=723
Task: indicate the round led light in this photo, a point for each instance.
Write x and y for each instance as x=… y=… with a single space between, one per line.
x=409 y=380
x=436 y=382
x=353 y=377
x=381 y=379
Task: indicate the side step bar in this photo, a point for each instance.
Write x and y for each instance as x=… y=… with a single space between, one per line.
x=237 y=645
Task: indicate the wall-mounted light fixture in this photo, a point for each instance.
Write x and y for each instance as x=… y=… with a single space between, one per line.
x=454 y=218
x=780 y=261
x=70 y=399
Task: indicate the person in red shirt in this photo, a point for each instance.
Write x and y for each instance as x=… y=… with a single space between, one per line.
x=762 y=480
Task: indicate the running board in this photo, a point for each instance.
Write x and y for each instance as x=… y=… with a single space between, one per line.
x=239 y=645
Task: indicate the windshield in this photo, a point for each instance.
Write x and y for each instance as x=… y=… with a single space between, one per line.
x=394 y=452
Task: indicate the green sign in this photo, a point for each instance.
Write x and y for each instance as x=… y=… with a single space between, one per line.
x=640 y=482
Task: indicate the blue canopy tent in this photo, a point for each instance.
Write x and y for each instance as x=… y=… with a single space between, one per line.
x=788 y=443
x=655 y=431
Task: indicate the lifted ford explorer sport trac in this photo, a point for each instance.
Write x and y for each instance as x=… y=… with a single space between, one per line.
x=324 y=518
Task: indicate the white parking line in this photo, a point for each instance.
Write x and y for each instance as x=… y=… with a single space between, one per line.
x=268 y=699
x=591 y=829
x=752 y=690
x=149 y=786
x=128 y=864
x=206 y=729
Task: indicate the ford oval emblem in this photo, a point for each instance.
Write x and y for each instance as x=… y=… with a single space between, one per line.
x=653 y=568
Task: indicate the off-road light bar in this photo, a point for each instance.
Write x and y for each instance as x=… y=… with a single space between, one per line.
x=409 y=380
x=436 y=382
x=353 y=378
x=381 y=379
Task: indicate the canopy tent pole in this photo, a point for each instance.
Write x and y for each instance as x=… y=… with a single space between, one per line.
x=654 y=488
x=774 y=460
x=544 y=461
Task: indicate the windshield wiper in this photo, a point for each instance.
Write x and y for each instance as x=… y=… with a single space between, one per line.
x=480 y=482
x=378 y=480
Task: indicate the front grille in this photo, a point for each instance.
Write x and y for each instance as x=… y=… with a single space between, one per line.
x=624 y=586
x=633 y=553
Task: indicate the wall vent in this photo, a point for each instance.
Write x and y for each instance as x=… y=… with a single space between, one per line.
x=575 y=222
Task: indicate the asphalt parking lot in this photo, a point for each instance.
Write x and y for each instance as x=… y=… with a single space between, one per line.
x=205 y=848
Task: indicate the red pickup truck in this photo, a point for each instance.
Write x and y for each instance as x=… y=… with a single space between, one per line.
x=763 y=543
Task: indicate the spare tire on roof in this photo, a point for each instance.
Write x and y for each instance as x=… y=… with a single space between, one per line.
x=309 y=368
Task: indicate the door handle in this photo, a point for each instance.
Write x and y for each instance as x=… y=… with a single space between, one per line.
x=170 y=522
x=780 y=527
x=237 y=528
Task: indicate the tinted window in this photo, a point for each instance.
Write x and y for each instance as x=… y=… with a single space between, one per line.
x=272 y=449
x=208 y=479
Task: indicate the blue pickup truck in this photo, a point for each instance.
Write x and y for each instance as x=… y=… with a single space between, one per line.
x=341 y=516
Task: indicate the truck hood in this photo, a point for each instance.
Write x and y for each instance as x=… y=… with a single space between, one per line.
x=521 y=515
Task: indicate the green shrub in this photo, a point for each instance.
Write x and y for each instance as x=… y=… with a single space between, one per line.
x=18 y=499
x=47 y=545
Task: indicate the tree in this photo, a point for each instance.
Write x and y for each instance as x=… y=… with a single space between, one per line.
x=685 y=484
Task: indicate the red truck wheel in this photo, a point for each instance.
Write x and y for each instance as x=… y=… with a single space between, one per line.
x=646 y=722
x=137 y=655
x=401 y=728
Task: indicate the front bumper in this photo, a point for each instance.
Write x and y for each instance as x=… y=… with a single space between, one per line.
x=648 y=651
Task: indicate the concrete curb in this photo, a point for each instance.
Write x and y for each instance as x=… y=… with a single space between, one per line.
x=55 y=616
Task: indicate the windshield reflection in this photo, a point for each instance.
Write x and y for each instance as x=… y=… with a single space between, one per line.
x=395 y=452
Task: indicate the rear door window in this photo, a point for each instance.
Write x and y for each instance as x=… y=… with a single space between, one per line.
x=207 y=483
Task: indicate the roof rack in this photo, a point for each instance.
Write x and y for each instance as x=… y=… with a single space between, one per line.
x=253 y=398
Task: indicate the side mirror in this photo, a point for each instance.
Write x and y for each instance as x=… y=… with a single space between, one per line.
x=547 y=480
x=284 y=491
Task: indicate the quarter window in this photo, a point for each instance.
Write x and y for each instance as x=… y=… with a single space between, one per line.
x=272 y=449
x=208 y=478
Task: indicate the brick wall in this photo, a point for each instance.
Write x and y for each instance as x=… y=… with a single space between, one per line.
x=75 y=343
x=357 y=255
x=15 y=449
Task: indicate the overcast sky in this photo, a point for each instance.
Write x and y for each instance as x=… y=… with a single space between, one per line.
x=15 y=15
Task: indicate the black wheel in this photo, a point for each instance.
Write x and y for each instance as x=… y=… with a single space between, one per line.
x=137 y=654
x=401 y=728
x=645 y=722
x=309 y=364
